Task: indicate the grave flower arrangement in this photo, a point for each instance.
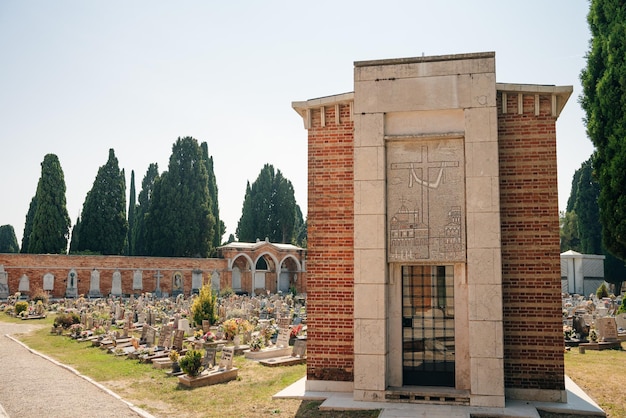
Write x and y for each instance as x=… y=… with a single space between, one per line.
x=236 y=326
x=76 y=330
x=256 y=344
x=295 y=331
x=567 y=332
x=209 y=337
x=197 y=334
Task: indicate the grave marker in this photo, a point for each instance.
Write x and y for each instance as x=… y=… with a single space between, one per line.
x=209 y=358
x=607 y=329
x=179 y=336
x=283 y=332
x=226 y=361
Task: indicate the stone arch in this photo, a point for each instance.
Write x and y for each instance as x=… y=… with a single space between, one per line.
x=288 y=273
x=264 y=264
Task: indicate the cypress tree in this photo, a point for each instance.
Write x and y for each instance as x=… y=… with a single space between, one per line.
x=8 y=240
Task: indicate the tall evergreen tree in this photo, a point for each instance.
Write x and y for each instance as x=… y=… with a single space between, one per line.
x=132 y=210
x=75 y=237
x=179 y=222
x=220 y=227
x=144 y=198
x=604 y=102
x=8 y=240
x=28 y=225
x=51 y=222
x=103 y=225
x=269 y=209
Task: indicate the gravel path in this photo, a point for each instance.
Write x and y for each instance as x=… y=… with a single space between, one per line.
x=34 y=385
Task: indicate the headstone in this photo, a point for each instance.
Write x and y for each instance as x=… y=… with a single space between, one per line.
x=72 y=284
x=48 y=281
x=150 y=335
x=116 y=283
x=196 y=280
x=179 y=336
x=24 y=285
x=138 y=280
x=94 y=283
x=607 y=329
x=226 y=361
x=208 y=360
x=144 y=334
x=283 y=332
x=299 y=349
x=620 y=320
x=4 y=283
x=183 y=325
x=165 y=337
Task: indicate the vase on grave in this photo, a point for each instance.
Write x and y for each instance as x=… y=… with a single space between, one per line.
x=175 y=367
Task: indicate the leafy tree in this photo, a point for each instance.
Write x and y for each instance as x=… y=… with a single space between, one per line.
x=269 y=209
x=604 y=102
x=8 y=240
x=205 y=306
x=103 y=224
x=220 y=227
x=28 y=225
x=144 y=198
x=50 y=222
x=569 y=231
x=179 y=222
x=132 y=209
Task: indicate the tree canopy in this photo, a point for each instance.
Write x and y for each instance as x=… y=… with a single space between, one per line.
x=103 y=224
x=604 y=102
x=8 y=240
x=179 y=222
x=269 y=209
x=143 y=204
x=50 y=227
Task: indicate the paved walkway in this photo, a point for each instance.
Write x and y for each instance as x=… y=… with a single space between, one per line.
x=34 y=385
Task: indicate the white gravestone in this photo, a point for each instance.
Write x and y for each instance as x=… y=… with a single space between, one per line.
x=72 y=284
x=226 y=361
x=138 y=280
x=116 y=283
x=94 y=283
x=48 y=281
x=24 y=285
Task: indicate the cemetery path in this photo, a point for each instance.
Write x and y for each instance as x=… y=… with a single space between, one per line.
x=34 y=385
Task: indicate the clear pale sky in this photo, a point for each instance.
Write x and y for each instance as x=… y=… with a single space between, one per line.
x=80 y=77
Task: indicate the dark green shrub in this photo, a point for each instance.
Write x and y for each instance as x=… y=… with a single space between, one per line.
x=66 y=320
x=602 y=292
x=191 y=362
x=21 y=307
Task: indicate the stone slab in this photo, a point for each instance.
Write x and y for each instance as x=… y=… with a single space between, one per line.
x=267 y=353
x=282 y=361
x=208 y=378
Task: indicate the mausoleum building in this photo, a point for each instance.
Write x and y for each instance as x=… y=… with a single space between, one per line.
x=433 y=269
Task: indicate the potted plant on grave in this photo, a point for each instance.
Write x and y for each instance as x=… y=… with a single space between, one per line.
x=174 y=357
x=256 y=344
x=191 y=363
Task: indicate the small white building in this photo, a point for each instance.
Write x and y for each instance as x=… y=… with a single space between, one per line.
x=581 y=273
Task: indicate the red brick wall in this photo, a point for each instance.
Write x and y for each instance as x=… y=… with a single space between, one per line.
x=330 y=256
x=533 y=334
x=35 y=266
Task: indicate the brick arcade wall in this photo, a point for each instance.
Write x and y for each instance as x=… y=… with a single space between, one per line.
x=533 y=335
x=330 y=260
x=35 y=266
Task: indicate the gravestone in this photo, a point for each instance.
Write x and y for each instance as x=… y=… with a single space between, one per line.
x=299 y=349
x=24 y=285
x=183 y=325
x=620 y=320
x=138 y=280
x=283 y=332
x=150 y=335
x=94 y=284
x=208 y=361
x=48 y=281
x=165 y=337
x=4 y=283
x=215 y=281
x=116 y=283
x=196 y=281
x=179 y=336
x=71 y=290
x=226 y=361
x=144 y=333
x=607 y=329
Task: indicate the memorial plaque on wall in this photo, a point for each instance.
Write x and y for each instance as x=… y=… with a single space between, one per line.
x=426 y=200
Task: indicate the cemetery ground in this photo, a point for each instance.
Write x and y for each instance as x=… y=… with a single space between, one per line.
x=152 y=390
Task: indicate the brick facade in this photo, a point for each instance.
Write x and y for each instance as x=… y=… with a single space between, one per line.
x=330 y=281
x=35 y=266
x=533 y=335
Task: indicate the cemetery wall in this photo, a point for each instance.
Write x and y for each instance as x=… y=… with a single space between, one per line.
x=531 y=279
x=35 y=266
x=330 y=257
